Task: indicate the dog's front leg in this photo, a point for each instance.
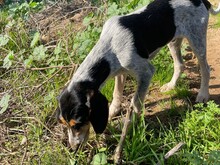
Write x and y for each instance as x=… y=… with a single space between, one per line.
x=117 y=95
x=198 y=44
x=203 y=94
x=144 y=75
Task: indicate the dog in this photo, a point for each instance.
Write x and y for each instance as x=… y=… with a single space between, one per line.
x=126 y=45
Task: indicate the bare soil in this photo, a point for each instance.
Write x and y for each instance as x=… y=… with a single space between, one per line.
x=213 y=55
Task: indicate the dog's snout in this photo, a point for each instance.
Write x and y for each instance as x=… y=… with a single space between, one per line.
x=73 y=138
x=77 y=137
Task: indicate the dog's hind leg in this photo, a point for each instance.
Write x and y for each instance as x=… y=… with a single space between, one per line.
x=198 y=45
x=175 y=50
x=117 y=95
x=143 y=79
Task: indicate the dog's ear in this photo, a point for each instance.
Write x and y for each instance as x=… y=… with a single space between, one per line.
x=99 y=111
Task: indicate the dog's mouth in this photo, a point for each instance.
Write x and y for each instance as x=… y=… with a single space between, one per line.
x=77 y=133
x=79 y=137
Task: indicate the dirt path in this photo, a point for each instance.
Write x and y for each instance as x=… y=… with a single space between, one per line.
x=213 y=54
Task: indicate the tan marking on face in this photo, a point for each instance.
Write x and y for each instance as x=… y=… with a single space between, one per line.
x=63 y=121
x=72 y=123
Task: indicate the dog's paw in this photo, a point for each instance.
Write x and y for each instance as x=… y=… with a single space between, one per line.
x=202 y=98
x=114 y=109
x=167 y=87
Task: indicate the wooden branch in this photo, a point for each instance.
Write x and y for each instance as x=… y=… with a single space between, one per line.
x=173 y=151
x=51 y=67
x=118 y=151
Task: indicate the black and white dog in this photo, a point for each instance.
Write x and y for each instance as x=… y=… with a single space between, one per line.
x=125 y=46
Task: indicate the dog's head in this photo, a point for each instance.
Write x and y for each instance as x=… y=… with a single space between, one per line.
x=78 y=110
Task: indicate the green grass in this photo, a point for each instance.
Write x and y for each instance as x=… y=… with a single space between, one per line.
x=217 y=22
x=164 y=70
x=107 y=90
x=30 y=112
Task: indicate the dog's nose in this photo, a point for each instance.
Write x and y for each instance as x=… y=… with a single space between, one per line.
x=74 y=147
x=73 y=139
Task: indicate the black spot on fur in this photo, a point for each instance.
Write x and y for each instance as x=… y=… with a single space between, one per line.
x=207 y=4
x=196 y=2
x=99 y=72
x=152 y=28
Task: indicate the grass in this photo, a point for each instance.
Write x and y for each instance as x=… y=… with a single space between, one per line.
x=30 y=133
x=217 y=22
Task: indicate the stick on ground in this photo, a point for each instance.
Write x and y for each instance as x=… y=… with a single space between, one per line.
x=118 y=151
x=173 y=151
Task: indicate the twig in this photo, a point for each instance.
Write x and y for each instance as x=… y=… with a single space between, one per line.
x=39 y=69
x=38 y=86
x=37 y=120
x=25 y=149
x=118 y=151
x=51 y=67
x=173 y=151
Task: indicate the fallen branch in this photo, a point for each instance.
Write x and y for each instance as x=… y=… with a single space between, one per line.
x=38 y=121
x=173 y=151
x=40 y=69
x=51 y=67
x=47 y=80
x=118 y=151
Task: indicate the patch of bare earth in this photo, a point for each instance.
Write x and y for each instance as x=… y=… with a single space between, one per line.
x=213 y=54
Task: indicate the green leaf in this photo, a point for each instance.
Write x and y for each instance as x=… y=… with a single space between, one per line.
x=28 y=62
x=3 y=40
x=103 y=149
x=73 y=162
x=57 y=49
x=133 y=3
x=4 y=103
x=113 y=9
x=8 y=60
x=35 y=39
x=33 y=4
x=99 y=159
x=39 y=53
x=86 y=21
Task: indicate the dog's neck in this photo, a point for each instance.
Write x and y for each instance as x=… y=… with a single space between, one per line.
x=85 y=86
x=90 y=75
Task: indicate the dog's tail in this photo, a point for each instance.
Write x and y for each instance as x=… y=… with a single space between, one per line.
x=214 y=11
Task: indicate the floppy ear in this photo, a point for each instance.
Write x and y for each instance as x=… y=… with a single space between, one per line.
x=99 y=111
